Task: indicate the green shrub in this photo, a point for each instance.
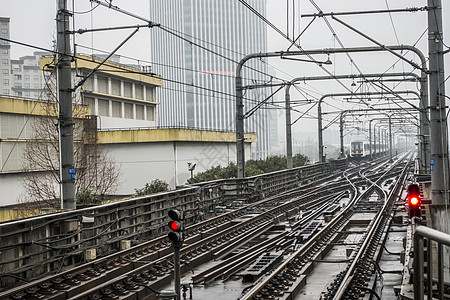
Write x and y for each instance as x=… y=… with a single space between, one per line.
x=252 y=168
x=156 y=186
x=86 y=197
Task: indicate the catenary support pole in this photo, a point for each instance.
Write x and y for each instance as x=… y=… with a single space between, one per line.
x=65 y=118
x=341 y=135
x=319 y=113
x=240 y=155
x=390 y=138
x=424 y=120
x=439 y=135
x=289 y=158
x=334 y=77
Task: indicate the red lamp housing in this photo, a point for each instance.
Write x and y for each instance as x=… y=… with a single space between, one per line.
x=414 y=200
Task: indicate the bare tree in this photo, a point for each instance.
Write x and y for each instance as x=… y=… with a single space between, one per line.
x=96 y=171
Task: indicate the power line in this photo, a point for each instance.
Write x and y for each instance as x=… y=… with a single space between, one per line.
x=122 y=69
x=392 y=22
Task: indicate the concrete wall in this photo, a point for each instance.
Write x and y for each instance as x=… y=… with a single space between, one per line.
x=10 y=185
x=143 y=162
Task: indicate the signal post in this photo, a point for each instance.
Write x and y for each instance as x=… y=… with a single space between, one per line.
x=176 y=236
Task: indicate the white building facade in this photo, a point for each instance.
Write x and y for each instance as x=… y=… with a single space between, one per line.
x=196 y=50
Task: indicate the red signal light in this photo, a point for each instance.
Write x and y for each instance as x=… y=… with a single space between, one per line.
x=174 y=225
x=414 y=200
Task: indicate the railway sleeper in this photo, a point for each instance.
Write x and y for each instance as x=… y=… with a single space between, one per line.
x=264 y=262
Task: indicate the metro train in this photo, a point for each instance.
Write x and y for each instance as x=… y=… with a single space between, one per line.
x=359 y=149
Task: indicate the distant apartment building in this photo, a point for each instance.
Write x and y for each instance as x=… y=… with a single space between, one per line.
x=199 y=85
x=27 y=78
x=5 y=75
x=19 y=77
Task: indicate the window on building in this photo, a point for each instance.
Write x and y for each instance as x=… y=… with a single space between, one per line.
x=150 y=113
x=26 y=85
x=115 y=87
x=3 y=42
x=102 y=84
x=36 y=94
x=149 y=94
x=128 y=110
x=36 y=86
x=17 y=77
x=4 y=31
x=27 y=94
x=26 y=77
x=5 y=62
x=36 y=77
x=5 y=51
x=139 y=94
x=6 y=82
x=88 y=85
x=19 y=94
x=139 y=112
x=5 y=72
x=91 y=103
x=127 y=91
x=103 y=108
x=5 y=91
x=116 y=109
x=17 y=85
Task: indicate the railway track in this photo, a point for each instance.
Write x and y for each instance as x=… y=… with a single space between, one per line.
x=138 y=272
x=289 y=278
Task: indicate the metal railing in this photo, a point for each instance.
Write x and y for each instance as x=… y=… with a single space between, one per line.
x=441 y=239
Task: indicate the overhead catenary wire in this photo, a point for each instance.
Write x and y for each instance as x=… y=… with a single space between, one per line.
x=329 y=25
x=169 y=30
x=126 y=69
x=293 y=42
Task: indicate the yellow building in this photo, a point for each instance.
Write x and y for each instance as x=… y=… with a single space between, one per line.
x=122 y=101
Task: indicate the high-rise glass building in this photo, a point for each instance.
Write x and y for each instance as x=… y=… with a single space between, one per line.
x=196 y=51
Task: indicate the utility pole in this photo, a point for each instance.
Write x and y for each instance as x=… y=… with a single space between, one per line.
x=341 y=134
x=390 y=138
x=439 y=139
x=65 y=119
x=289 y=159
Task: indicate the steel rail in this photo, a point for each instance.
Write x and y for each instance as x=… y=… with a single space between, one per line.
x=252 y=292
x=237 y=261
x=378 y=223
x=124 y=259
x=255 y=290
x=196 y=247
x=159 y=243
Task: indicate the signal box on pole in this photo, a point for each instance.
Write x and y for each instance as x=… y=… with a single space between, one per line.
x=176 y=226
x=414 y=200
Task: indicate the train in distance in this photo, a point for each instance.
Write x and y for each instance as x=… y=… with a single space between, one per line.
x=359 y=149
